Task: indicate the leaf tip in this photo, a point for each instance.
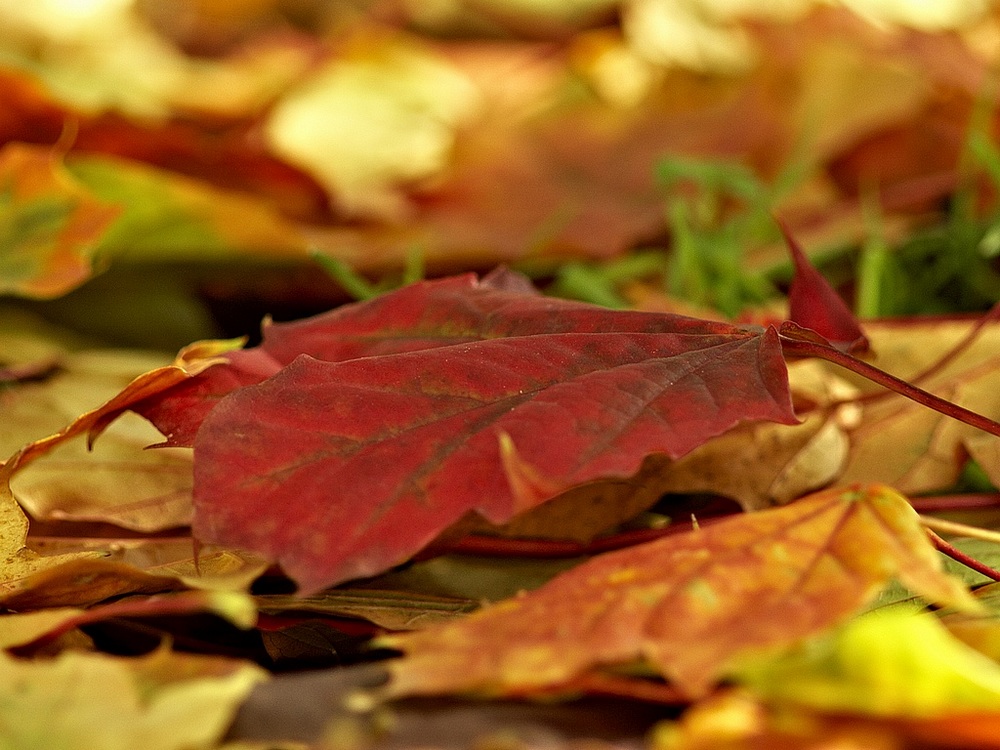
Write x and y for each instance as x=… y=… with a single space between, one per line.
x=814 y=304
x=528 y=486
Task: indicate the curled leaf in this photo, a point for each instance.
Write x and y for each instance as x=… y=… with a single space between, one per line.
x=813 y=304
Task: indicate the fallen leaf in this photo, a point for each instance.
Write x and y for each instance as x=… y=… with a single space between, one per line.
x=17 y=561
x=892 y=663
x=52 y=223
x=436 y=392
x=688 y=604
x=118 y=481
x=164 y=701
x=31 y=628
x=430 y=435
x=190 y=361
x=427 y=328
x=912 y=448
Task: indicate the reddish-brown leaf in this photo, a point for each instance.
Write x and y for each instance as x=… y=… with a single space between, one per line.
x=342 y=469
x=813 y=303
x=454 y=310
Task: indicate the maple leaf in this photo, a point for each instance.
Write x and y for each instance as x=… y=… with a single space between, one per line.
x=427 y=436
x=688 y=604
x=434 y=401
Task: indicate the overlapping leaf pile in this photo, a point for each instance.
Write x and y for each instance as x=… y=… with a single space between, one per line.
x=506 y=488
x=354 y=439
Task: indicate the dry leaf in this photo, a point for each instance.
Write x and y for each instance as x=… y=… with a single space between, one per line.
x=688 y=604
x=51 y=226
x=906 y=445
x=164 y=701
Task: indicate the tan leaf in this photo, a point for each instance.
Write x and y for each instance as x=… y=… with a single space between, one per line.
x=164 y=701
x=906 y=445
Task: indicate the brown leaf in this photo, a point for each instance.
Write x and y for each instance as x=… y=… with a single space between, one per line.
x=81 y=572
x=122 y=483
x=688 y=604
x=189 y=362
x=17 y=561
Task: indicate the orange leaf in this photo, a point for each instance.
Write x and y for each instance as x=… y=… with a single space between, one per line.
x=688 y=604
x=51 y=224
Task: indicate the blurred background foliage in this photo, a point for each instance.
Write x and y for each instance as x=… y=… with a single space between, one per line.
x=177 y=170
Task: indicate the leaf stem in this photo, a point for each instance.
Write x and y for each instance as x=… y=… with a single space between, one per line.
x=965 y=501
x=960 y=557
x=792 y=344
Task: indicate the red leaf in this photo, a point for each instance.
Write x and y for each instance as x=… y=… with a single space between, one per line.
x=342 y=469
x=426 y=315
x=178 y=412
x=813 y=303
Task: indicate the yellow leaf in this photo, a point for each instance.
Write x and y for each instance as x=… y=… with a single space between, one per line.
x=164 y=701
x=890 y=662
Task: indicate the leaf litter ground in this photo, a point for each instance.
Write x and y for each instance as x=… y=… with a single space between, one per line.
x=120 y=186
